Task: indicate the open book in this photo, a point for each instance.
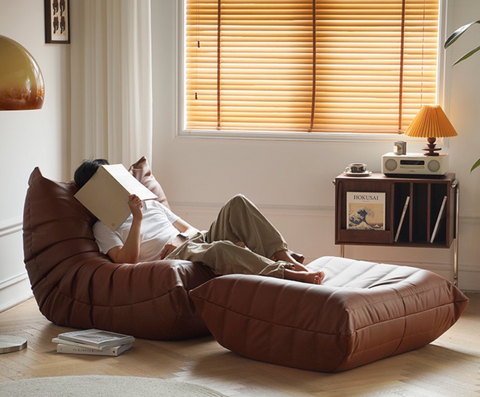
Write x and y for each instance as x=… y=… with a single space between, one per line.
x=106 y=194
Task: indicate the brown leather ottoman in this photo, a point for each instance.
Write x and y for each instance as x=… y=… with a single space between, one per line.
x=362 y=313
x=77 y=286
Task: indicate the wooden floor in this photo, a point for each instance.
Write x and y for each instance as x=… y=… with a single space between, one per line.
x=450 y=366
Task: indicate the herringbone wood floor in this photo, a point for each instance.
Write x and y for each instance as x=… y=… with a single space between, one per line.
x=450 y=366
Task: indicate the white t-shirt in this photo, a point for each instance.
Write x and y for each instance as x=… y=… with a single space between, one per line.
x=157 y=229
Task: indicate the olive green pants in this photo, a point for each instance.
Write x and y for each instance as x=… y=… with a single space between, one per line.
x=240 y=241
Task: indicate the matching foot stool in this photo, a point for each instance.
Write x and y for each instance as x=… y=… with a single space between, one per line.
x=363 y=312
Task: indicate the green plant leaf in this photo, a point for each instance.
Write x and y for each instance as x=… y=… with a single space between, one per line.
x=456 y=35
x=475 y=165
x=467 y=55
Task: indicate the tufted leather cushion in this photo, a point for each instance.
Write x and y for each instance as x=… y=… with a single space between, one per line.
x=141 y=170
x=77 y=286
x=363 y=312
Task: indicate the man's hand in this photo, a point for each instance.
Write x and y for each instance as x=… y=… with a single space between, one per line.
x=130 y=251
x=171 y=246
x=136 y=206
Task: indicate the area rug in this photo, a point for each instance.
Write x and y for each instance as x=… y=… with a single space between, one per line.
x=103 y=386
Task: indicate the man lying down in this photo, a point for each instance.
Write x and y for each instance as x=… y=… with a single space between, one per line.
x=240 y=241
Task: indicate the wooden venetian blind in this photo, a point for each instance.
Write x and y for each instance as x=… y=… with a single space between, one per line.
x=309 y=66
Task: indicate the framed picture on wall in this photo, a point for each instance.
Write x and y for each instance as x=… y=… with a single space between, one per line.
x=57 y=21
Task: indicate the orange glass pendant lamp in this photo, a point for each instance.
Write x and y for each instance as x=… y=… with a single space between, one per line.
x=21 y=80
x=431 y=122
x=21 y=88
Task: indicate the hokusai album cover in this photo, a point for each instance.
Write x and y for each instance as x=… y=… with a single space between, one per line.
x=366 y=210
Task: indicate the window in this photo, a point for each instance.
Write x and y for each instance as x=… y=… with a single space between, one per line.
x=309 y=66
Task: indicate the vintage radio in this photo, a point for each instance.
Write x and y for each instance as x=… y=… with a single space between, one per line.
x=412 y=164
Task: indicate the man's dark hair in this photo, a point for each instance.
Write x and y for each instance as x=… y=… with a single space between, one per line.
x=86 y=170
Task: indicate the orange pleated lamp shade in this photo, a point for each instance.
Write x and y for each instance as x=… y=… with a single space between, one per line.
x=21 y=80
x=431 y=122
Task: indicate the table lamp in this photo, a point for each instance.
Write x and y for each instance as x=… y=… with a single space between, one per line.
x=431 y=123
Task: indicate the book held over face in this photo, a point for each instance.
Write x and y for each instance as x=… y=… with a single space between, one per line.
x=106 y=194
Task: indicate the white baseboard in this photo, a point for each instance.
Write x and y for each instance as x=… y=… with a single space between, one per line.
x=14 y=282
x=10 y=226
x=14 y=291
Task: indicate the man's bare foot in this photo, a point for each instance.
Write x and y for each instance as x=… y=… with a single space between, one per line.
x=304 y=277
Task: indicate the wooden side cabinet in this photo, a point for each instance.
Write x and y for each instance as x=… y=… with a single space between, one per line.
x=423 y=212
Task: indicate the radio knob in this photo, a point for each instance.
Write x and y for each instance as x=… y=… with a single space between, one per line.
x=433 y=165
x=390 y=165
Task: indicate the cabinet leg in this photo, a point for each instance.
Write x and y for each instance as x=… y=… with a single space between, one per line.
x=455 y=262
x=455 y=241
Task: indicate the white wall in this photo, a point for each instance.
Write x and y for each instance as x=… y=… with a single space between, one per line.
x=291 y=180
x=464 y=89
x=29 y=139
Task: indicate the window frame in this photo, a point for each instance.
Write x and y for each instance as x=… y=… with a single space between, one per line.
x=346 y=137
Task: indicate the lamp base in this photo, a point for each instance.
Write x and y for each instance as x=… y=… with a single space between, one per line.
x=431 y=149
x=10 y=343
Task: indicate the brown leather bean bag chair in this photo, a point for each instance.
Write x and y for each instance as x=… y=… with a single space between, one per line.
x=77 y=286
x=363 y=312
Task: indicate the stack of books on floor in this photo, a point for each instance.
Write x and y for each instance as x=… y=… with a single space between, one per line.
x=93 y=341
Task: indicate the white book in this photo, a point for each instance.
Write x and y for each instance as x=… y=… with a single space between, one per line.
x=70 y=343
x=106 y=194
x=439 y=217
x=402 y=217
x=109 y=351
x=96 y=338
